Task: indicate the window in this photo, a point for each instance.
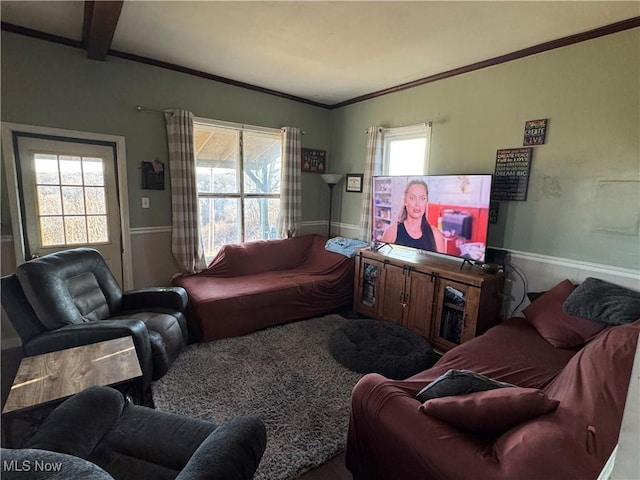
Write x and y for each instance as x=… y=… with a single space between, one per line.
x=406 y=150
x=71 y=200
x=238 y=172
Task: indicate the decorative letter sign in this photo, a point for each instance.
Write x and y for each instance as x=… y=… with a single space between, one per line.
x=535 y=132
x=511 y=177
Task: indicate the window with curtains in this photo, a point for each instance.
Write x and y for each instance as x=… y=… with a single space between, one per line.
x=406 y=150
x=238 y=171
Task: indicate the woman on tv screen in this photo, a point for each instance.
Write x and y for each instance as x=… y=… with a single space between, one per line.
x=412 y=228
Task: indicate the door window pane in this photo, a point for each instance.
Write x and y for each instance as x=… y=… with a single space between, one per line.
x=93 y=171
x=97 y=229
x=73 y=200
x=51 y=231
x=49 y=201
x=75 y=230
x=95 y=200
x=47 y=170
x=70 y=170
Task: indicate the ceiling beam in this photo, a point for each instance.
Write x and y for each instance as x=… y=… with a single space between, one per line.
x=100 y=21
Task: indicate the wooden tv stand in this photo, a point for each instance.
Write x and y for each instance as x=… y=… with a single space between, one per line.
x=429 y=294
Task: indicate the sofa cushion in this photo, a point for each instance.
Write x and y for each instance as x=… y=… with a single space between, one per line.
x=458 y=382
x=603 y=302
x=557 y=327
x=493 y=411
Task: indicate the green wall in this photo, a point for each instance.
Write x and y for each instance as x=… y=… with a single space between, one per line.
x=52 y=85
x=584 y=191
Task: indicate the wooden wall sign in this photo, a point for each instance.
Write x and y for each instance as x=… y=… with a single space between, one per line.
x=535 y=132
x=314 y=160
x=511 y=177
x=153 y=175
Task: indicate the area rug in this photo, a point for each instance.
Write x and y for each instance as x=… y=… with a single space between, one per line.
x=284 y=375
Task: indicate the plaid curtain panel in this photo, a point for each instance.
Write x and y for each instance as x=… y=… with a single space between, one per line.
x=186 y=242
x=373 y=166
x=290 y=186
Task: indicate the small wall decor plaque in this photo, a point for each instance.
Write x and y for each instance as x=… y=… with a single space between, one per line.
x=153 y=175
x=354 y=182
x=535 y=132
x=314 y=160
x=511 y=176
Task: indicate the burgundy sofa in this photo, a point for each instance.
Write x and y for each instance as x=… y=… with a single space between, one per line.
x=392 y=435
x=255 y=285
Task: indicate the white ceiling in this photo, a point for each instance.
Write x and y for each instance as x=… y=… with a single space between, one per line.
x=327 y=52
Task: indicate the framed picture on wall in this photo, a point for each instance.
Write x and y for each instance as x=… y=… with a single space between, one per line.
x=313 y=160
x=354 y=182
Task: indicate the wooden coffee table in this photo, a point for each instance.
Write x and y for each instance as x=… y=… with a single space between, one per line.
x=50 y=377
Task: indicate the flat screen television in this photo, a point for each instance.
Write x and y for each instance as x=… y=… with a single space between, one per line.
x=447 y=214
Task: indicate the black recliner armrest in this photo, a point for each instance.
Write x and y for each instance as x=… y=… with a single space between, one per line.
x=95 y=409
x=231 y=452
x=156 y=297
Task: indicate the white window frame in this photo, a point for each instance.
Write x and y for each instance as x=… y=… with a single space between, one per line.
x=242 y=196
x=411 y=132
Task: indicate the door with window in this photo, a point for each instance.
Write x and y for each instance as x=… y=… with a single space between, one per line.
x=69 y=198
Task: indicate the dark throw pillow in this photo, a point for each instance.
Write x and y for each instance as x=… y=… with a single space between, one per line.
x=557 y=327
x=491 y=412
x=604 y=302
x=458 y=382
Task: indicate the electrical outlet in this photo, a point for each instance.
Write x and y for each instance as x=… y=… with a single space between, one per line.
x=145 y=202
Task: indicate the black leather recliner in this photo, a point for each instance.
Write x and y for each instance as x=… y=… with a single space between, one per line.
x=125 y=441
x=71 y=298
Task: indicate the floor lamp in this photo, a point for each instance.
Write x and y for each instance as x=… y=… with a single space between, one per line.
x=331 y=179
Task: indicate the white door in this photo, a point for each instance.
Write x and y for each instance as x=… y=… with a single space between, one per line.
x=69 y=198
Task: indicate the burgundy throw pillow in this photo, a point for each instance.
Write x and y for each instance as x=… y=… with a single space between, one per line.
x=556 y=326
x=493 y=411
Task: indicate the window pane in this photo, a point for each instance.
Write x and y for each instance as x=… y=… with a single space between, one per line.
x=217 y=156
x=75 y=229
x=406 y=157
x=49 y=202
x=46 y=169
x=262 y=160
x=97 y=229
x=95 y=200
x=51 y=231
x=261 y=218
x=73 y=200
x=70 y=170
x=93 y=171
x=220 y=223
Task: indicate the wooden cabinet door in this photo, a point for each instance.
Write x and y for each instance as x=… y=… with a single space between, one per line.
x=455 y=313
x=419 y=311
x=369 y=292
x=394 y=299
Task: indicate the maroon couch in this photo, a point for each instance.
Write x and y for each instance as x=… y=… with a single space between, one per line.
x=392 y=437
x=254 y=285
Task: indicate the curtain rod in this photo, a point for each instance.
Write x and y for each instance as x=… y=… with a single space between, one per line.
x=408 y=127
x=140 y=108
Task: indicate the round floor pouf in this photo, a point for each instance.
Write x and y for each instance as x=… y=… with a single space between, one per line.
x=368 y=346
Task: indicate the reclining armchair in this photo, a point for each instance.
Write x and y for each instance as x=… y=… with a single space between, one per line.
x=97 y=434
x=70 y=298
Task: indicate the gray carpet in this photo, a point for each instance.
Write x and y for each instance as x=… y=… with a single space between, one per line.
x=284 y=375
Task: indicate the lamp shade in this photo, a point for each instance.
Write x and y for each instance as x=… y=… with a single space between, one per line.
x=332 y=178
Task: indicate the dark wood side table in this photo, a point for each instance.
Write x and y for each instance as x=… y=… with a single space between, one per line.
x=52 y=377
